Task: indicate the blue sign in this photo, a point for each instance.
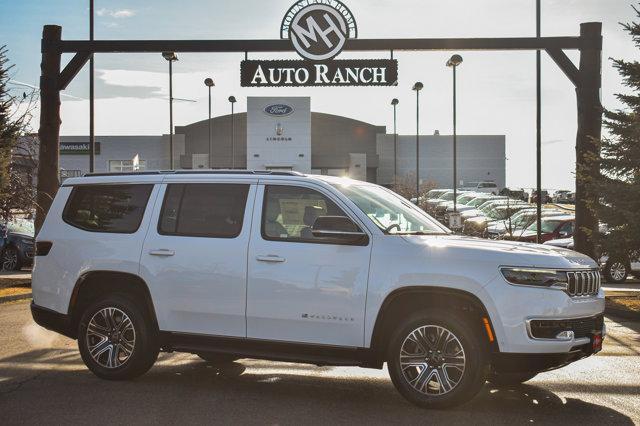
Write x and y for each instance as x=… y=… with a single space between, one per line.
x=278 y=110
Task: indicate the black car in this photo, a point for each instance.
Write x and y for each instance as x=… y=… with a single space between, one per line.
x=16 y=244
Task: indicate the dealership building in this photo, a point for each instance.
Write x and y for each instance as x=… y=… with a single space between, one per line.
x=284 y=134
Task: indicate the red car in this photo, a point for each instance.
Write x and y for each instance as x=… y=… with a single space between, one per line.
x=553 y=227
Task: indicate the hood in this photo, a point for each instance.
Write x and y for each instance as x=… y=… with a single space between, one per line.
x=463 y=250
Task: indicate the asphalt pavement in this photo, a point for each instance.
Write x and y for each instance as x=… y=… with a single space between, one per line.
x=43 y=381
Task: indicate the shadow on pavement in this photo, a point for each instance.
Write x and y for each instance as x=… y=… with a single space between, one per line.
x=53 y=386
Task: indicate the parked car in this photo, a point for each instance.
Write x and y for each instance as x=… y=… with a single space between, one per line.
x=312 y=269
x=564 y=197
x=552 y=228
x=515 y=193
x=533 y=198
x=615 y=269
x=488 y=187
x=477 y=226
x=518 y=222
x=16 y=244
x=431 y=204
x=441 y=208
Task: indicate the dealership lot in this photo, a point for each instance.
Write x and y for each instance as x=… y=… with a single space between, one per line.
x=43 y=380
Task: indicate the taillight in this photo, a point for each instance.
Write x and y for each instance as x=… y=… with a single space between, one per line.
x=43 y=247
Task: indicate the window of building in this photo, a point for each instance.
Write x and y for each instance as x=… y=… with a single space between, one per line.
x=203 y=210
x=107 y=208
x=117 y=166
x=289 y=213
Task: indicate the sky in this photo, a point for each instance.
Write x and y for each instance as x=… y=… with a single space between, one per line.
x=496 y=90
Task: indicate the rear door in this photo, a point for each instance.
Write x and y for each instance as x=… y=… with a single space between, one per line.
x=195 y=255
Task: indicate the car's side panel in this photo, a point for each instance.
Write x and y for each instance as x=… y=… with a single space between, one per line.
x=76 y=252
x=201 y=287
x=316 y=294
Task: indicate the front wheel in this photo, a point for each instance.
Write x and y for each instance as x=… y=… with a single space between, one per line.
x=436 y=359
x=616 y=271
x=116 y=338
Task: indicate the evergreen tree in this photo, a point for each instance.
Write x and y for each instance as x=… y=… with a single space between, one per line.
x=16 y=182
x=619 y=184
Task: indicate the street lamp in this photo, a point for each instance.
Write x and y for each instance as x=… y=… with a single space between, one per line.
x=209 y=83
x=418 y=87
x=170 y=56
x=395 y=103
x=232 y=100
x=453 y=63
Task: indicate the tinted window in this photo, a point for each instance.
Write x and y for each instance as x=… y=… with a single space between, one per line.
x=289 y=212
x=107 y=208
x=203 y=210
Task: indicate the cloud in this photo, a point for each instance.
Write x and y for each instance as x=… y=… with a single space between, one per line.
x=120 y=13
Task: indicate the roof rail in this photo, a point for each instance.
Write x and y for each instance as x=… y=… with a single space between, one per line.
x=197 y=172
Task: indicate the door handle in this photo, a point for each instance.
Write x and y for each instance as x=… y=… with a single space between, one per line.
x=270 y=258
x=162 y=252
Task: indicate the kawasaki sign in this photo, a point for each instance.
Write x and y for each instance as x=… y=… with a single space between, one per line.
x=318 y=31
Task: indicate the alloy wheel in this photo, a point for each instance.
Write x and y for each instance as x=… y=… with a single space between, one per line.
x=617 y=271
x=111 y=337
x=10 y=259
x=432 y=360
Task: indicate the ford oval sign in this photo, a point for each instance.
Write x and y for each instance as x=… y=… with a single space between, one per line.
x=278 y=110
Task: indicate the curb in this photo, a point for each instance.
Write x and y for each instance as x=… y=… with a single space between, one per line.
x=15 y=297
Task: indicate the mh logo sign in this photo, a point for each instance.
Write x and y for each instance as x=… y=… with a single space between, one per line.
x=318 y=29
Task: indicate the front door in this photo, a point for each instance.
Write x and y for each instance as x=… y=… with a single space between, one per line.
x=303 y=288
x=195 y=257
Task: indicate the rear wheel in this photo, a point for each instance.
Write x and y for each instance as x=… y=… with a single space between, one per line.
x=509 y=379
x=437 y=360
x=616 y=270
x=216 y=358
x=117 y=340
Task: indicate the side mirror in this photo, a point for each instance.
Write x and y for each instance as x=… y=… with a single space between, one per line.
x=564 y=234
x=338 y=228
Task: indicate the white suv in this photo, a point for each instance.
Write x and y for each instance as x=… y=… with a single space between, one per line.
x=314 y=269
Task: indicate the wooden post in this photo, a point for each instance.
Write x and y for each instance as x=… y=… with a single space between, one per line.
x=49 y=133
x=588 y=138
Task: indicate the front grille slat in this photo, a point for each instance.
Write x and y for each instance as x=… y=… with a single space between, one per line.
x=583 y=283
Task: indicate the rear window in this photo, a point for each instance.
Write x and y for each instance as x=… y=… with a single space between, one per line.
x=203 y=210
x=107 y=208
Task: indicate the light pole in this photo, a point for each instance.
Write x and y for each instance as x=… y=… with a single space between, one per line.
x=453 y=62
x=170 y=56
x=92 y=134
x=232 y=100
x=417 y=87
x=209 y=83
x=395 y=103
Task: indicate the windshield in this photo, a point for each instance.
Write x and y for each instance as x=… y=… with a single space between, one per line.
x=447 y=196
x=477 y=202
x=391 y=213
x=21 y=226
x=547 y=225
x=464 y=199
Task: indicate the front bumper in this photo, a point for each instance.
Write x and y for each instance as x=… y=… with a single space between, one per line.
x=502 y=362
x=52 y=320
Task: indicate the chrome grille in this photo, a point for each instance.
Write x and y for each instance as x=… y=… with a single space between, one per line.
x=583 y=283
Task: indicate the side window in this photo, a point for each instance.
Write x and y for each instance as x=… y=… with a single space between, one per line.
x=567 y=228
x=289 y=212
x=214 y=210
x=107 y=208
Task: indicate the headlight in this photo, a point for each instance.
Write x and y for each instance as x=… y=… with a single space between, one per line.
x=547 y=278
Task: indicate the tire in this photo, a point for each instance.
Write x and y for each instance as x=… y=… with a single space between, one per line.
x=130 y=352
x=216 y=358
x=616 y=270
x=464 y=381
x=509 y=379
x=11 y=259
